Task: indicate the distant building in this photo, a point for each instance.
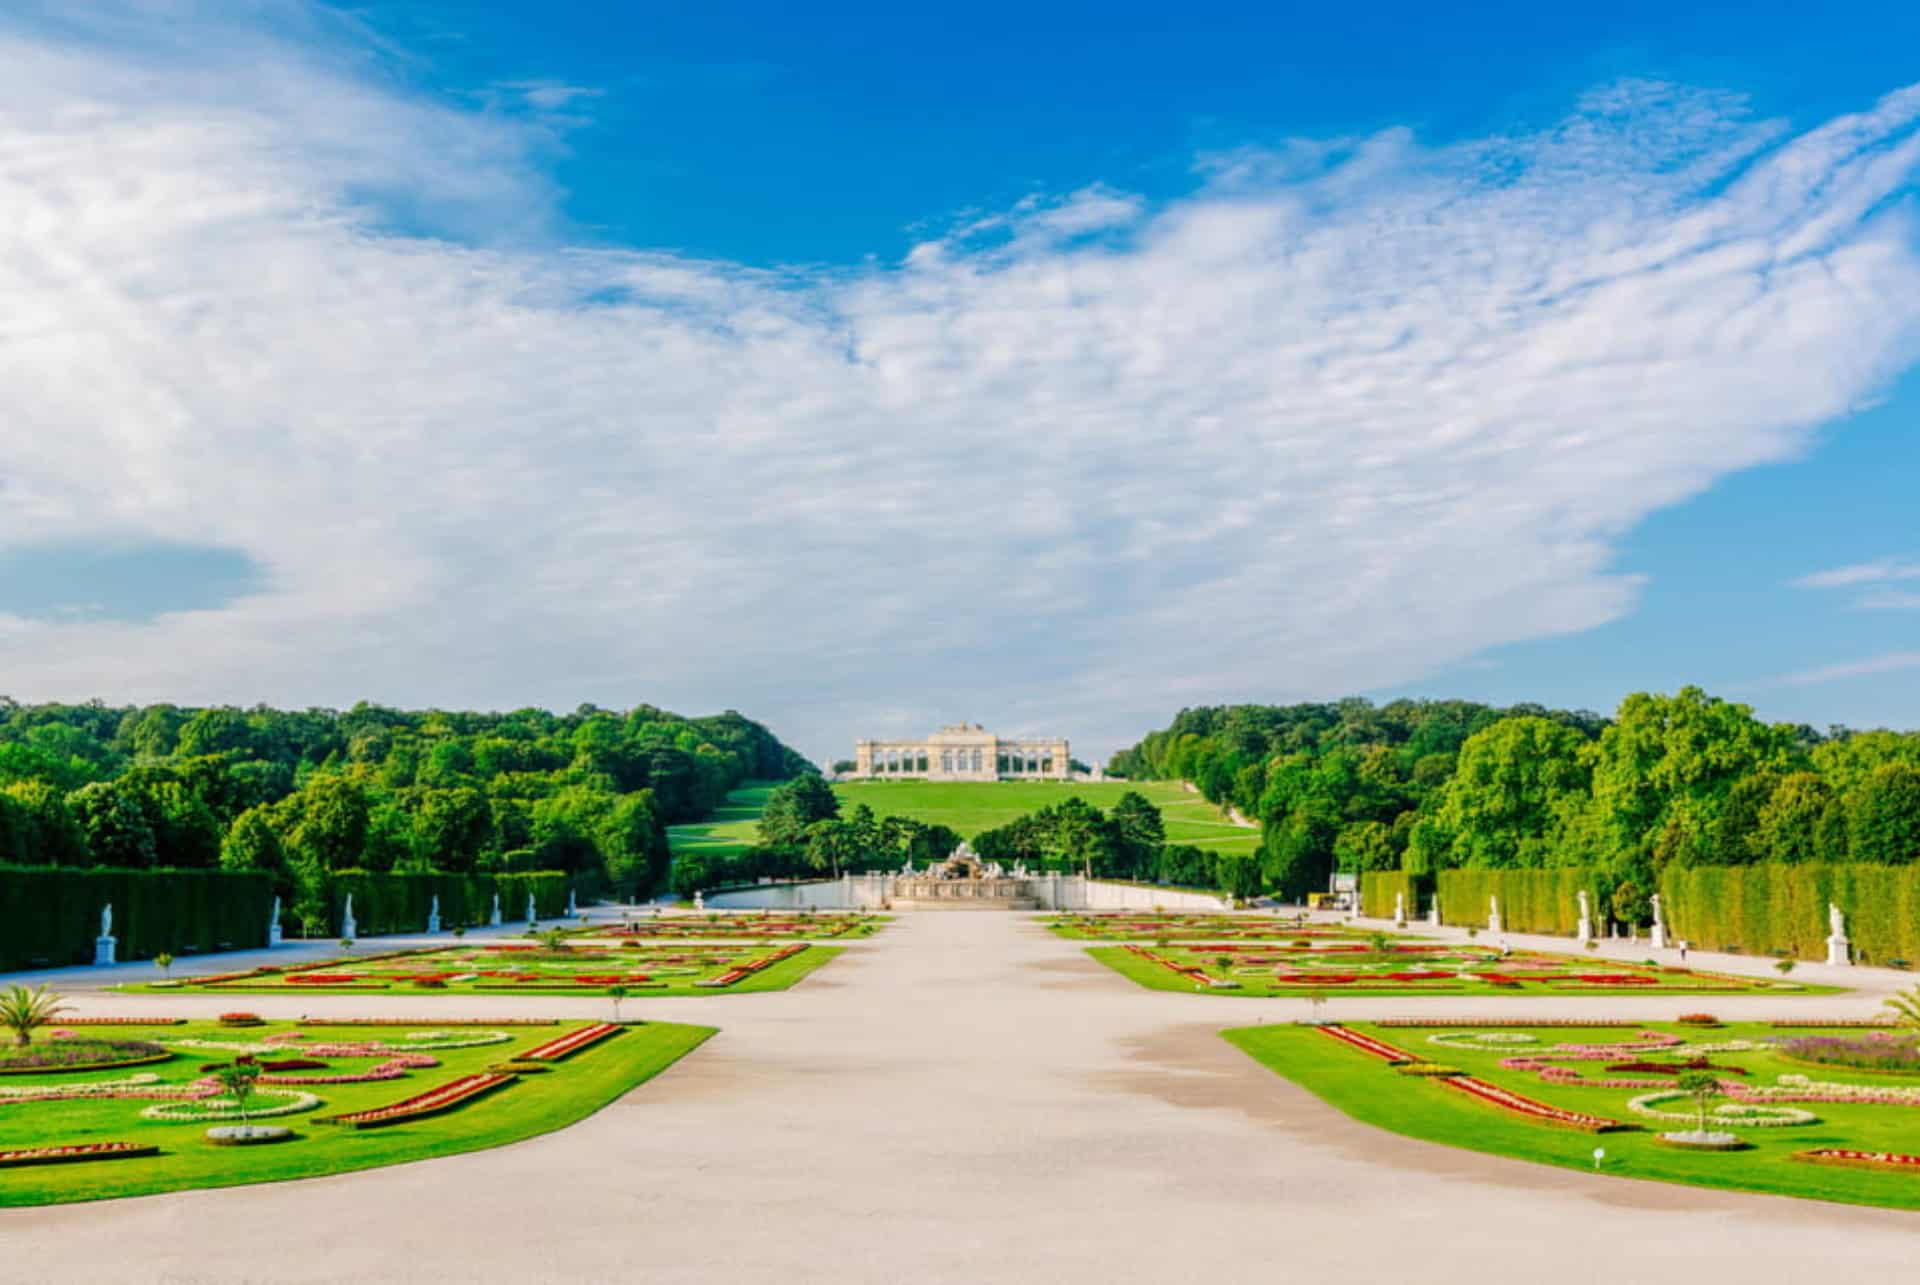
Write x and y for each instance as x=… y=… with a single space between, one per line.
x=964 y=752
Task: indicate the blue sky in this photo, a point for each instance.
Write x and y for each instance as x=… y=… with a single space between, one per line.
x=1053 y=366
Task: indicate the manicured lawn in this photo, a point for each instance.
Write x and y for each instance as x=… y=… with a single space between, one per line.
x=973 y=806
x=587 y=966
x=734 y=826
x=1280 y=967
x=1129 y=925
x=524 y=1107
x=1371 y=1091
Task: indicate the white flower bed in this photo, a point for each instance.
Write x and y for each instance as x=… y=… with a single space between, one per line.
x=1746 y=1115
x=204 y=1109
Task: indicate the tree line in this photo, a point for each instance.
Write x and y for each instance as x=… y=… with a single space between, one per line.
x=303 y=793
x=1685 y=779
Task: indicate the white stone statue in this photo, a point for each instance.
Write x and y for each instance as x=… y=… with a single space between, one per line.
x=494 y=919
x=105 y=947
x=1586 y=918
x=699 y=901
x=1658 y=937
x=1839 y=949
x=348 y=928
x=532 y=918
x=274 y=933
x=433 y=915
x=1399 y=910
x=1493 y=915
x=573 y=904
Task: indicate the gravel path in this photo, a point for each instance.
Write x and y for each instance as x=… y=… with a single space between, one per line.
x=963 y=1098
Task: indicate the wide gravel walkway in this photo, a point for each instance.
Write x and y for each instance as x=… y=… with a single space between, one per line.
x=962 y=1098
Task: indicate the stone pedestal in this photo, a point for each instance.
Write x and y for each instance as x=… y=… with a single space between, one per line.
x=1399 y=910
x=494 y=920
x=106 y=951
x=1433 y=915
x=275 y=935
x=433 y=922
x=1658 y=937
x=1840 y=952
x=1586 y=930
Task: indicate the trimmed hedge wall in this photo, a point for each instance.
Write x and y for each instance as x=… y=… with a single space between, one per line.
x=1378 y=888
x=400 y=903
x=50 y=916
x=1531 y=901
x=1772 y=908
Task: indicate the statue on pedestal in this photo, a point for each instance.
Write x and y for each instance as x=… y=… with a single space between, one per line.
x=348 y=928
x=1839 y=949
x=433 y=915
x=106 y=947
x=494 y=919
x=274 y=932
x=1659 y=939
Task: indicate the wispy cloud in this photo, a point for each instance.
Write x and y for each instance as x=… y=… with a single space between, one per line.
x=1337 y=417
x=1887 y=664
x=1861 y=573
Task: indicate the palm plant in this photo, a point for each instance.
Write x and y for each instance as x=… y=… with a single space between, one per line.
x=1906 y=1008
x=23 y=1011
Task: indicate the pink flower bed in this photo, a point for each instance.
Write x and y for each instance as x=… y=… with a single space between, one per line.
x=76 y=1151
x=1529 y=1107
x=1866 y=1159
x=1366 y=1043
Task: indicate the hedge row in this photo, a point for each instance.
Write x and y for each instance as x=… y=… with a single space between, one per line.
x=1782 y=909
x=1531 y=901
x=1378 y=888
x=50 y=916
x=401 y=903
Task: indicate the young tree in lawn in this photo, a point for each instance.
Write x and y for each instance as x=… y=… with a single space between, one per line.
x=1703 y=1087
x=164 y=962
x=616 y=994
x=237 y=1080
x=24 y=1011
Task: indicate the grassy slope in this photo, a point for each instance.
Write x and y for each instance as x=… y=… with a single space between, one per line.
x=1374 y=1094
x=732 y=827
x=534 y=1105
x=971 y=807
x=778 y=977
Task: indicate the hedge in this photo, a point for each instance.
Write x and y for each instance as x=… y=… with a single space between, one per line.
x=1531 y=901
x=1379 y=887
x=400 y=903
x=50 y=916
x=1776 y=908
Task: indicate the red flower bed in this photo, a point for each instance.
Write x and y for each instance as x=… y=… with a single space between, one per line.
x=1420 y=977
x=569 y=1044
x=321 y=979
x=80 y=1151
x=1615 y=979
x=1511 y=1101
x=445 y=1098
x=1315 y=979
x=1865 y=1159
x=1366 y=1043
x=1574 y=1023
x=123 y=1021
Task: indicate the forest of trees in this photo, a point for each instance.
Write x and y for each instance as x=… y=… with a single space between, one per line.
x=1686 y=779
x=303 y=793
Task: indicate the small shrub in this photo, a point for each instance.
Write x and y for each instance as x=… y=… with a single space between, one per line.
x=1697 y=1019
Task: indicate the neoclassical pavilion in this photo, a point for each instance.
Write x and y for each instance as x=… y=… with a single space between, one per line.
x=963 y=752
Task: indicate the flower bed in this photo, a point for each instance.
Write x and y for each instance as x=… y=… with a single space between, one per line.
x=567 y=1045
x=454 y=1093
x=62 y=1056
x=78 y=1151
x=1874 y=1053
x=1492 y=1023
x=123 y=1021
x=1529 y=1107
x=1366 y=1043
x=1895 y=1160
x=428 y=1021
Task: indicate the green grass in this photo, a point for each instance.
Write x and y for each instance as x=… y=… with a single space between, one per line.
x=1372 y=1093
x=526 y=1108
x=776 y=977
x=973 y=806
x=733 y=827
x=1157 y=977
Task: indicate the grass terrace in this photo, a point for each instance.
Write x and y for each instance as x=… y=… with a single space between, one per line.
x=1385 y=965
x=733 y=827
x=353 y=1095
x=573 y=966
x=1806 y=1117
x=971 y=807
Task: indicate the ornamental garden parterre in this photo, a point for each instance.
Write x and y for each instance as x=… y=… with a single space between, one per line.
x=1797 y=1109
x=578 y=965
x=142 y=1110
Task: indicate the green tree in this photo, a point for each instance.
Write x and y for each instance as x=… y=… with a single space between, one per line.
x=114 y=818
x=1883 y=816
x=1794 y=825
x=1503 y=797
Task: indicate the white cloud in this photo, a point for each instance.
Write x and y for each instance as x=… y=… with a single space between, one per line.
x=1892 y=662
x=1340 y=416
x=1861 y=573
